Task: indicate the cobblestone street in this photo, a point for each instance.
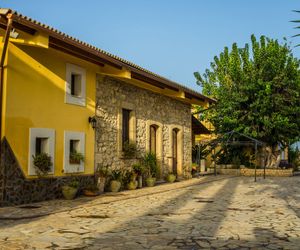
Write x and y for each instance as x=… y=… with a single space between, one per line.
x=209 y=212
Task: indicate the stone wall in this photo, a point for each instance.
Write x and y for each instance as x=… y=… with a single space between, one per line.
x=228 y=171
x=15 y=189
x=269 y=172
x=112 y=96
x=259 y=172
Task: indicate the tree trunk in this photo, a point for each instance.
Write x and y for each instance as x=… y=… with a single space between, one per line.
x=272 y=156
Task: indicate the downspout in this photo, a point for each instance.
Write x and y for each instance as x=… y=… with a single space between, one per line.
x=4 y=51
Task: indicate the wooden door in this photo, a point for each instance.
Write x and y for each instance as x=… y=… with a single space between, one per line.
x=175 y=150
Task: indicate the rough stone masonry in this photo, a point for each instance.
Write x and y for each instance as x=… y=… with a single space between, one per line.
x=112 y=95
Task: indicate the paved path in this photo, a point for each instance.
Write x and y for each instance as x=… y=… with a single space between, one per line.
x=230 y=213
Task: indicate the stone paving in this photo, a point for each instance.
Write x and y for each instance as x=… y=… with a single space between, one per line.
x=204 y=213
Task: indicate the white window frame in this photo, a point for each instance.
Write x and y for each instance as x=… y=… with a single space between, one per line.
x=68 y=136
x=42 y=133
x=69 y=98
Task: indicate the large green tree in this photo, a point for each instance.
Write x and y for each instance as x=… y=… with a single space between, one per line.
x=257 y=88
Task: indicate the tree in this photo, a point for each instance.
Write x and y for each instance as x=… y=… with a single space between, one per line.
x=258 y=93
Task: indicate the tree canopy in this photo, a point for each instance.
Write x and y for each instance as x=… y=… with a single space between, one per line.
x=257 y=88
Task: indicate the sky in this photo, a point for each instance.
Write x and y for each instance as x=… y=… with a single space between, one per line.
x=172 y=38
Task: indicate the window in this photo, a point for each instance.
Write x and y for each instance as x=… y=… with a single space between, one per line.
x=74 y=143
x=75 y=85
x=41 y=145
x=153 y=130
x=74 y=146
x=41 y=140
x=125 y=126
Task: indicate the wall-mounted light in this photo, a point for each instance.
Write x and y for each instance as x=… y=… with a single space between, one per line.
x=93 y=121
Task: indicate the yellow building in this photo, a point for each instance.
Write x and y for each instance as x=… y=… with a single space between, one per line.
x=52 y=86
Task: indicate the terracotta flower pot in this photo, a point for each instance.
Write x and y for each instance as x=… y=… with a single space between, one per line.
x=90 y=193
x=171 y=178
x=115 y=186
x=132 y=185
x=69 y=192
x=150 y=182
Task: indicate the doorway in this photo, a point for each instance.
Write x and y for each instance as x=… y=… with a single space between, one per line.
x=175 y=150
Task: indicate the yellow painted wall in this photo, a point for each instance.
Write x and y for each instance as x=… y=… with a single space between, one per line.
x=35 y=98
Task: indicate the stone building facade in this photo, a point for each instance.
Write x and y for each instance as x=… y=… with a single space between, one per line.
x=148 y=108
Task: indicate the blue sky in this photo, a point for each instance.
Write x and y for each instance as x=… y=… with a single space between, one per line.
x=173 y=38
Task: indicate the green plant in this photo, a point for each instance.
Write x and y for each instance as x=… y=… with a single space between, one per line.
x=116 y=175
x=76 y=157
x=129 y=150
x=138 y=169
x=149 y=162
x=42 y=163
x=74 y=183
x=102 y=171
x=126 y=177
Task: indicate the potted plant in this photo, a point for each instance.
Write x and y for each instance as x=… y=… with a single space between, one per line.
x=91 y=190
x=171 y=177
x=76 y=157
x=149 y=162
x=42 y=163
x=139 y=170
x=116 y=177
x=70 y=190
x=130 y=180
x=102 y=172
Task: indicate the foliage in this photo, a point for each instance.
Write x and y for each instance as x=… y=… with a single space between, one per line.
x=116 y=175
x=234 y=155
x=257 y=89
x=149 y=162
x=102 y=171
x=200 y=152
x=138 y=169
x=76 y=157
x=74 y=183
x=128 y=176
x=129 y=150
x=42 y=163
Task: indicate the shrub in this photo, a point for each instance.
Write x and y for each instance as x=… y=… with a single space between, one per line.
x=116 y=175
x=138 y=169
x=102 y=171
x=42 y=163
x=149 y=162
x=76 y=157
x=74 y=183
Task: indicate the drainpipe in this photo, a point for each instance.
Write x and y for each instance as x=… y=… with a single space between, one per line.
x=2 y=60
x=4 y=51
